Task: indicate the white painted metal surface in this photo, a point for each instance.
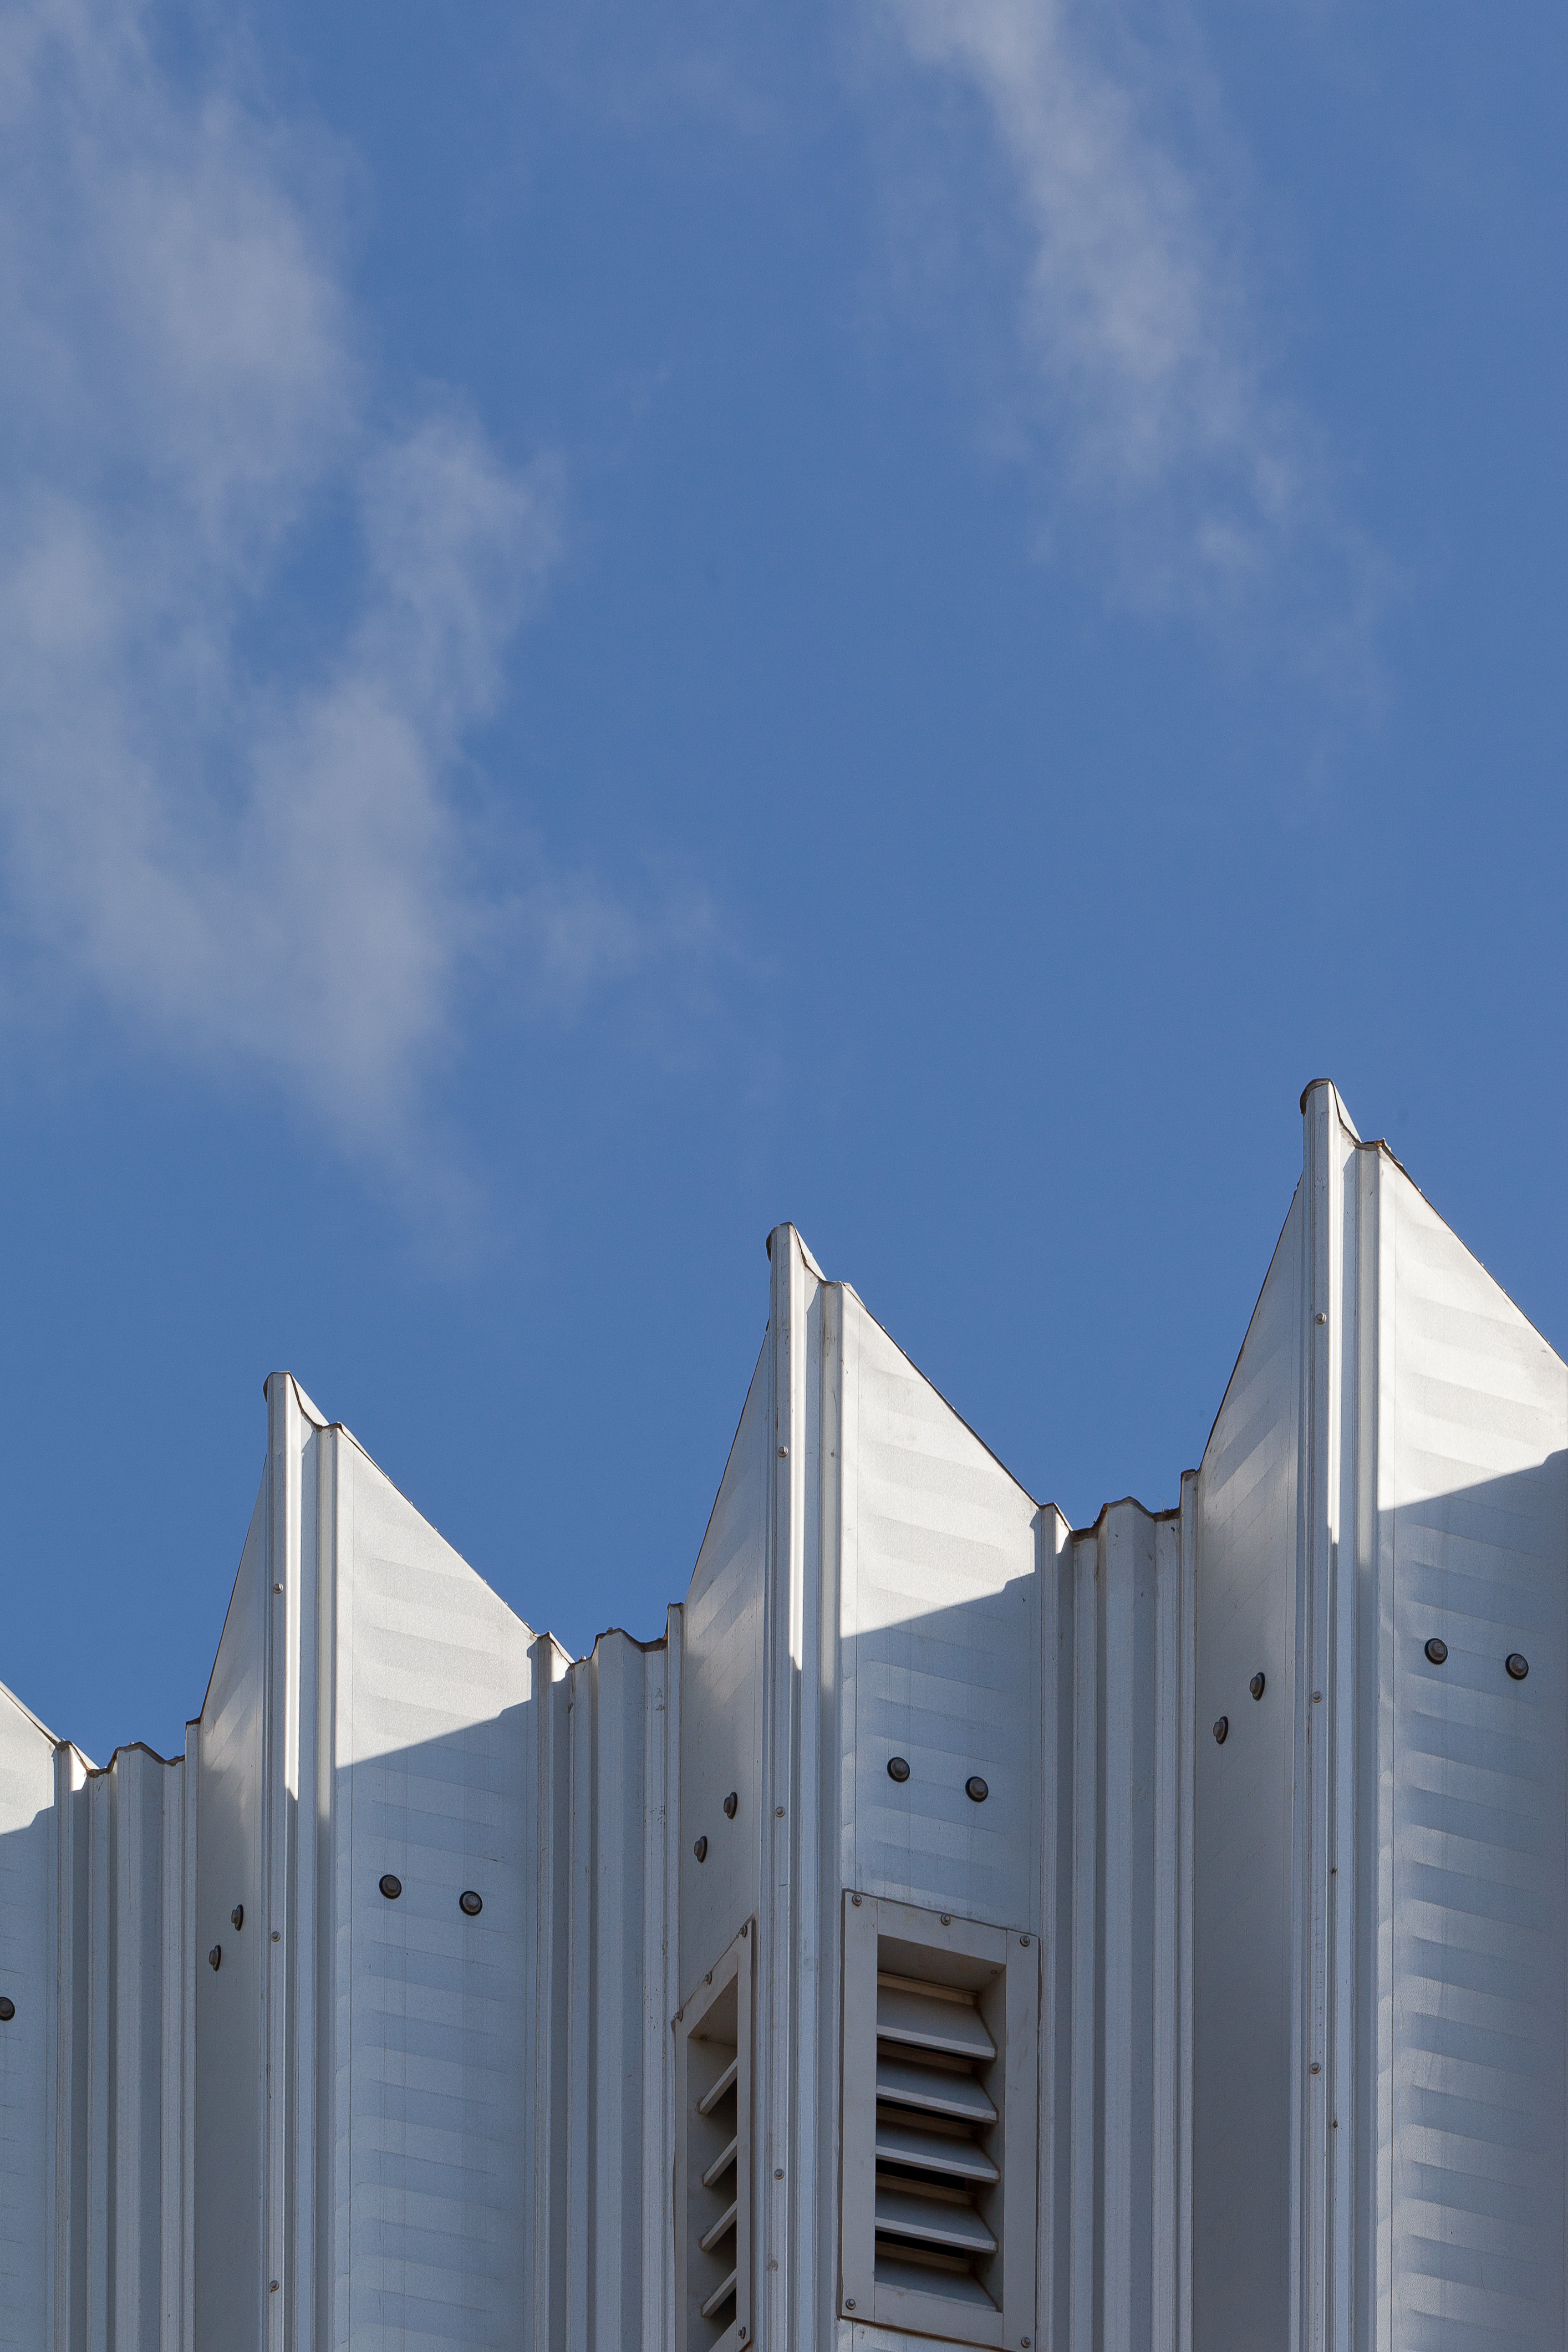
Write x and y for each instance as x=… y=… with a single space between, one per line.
x=1291 y=2069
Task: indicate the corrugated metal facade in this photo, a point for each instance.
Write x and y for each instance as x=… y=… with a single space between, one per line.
x=1286 y=1896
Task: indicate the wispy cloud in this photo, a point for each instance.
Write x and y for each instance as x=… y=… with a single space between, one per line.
x=255 y=859
x=1146 y=367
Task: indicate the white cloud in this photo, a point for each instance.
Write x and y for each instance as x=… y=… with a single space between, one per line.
x=1133 y=317
x=252 y=863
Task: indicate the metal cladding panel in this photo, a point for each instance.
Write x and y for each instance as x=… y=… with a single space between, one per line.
x=722 y=1700
x=1475 y=1498
x=27 y=1806
x=432 y=1785
x=940 y=1631
x=230 y=2054
x=614 y=2144
x=1246 y=1543
x=1114 y=2176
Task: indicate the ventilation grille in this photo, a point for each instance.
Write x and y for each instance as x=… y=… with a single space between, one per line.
x=936 y=2141
x=940 y=2130
x=714 y=2041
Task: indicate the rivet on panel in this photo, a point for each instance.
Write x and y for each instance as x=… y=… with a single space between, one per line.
x=947 y=1918
x=779 y=2174
x=897 y=1768
x=701 y=1849
x=1317 y=1698
x=1314 y=2068
x=215 y=1957
x=1222 y=1729
x=470 y=1904
x=1257 y=1685
x=778 y=1813
x=391 y=1886
x=1320 y=1317
x=855 y=1900
x=1517 y=1664
x=976 y=1789
x=848 y=2302
x=278 y=1587
x=1437 y=1651
x=731 y=1805
x=7 y=2009
x=1023 y=1939
x=238 y=1916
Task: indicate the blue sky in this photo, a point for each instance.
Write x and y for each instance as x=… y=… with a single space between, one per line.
x=619 y=624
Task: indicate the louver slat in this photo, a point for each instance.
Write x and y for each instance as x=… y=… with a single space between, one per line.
x=725 y=2222
x=939 y=2093
x=726 y=2082
x=955 y=2159
x=719 y=2297
x=926 y=2023
x=932 y=2222
x=720 y=2165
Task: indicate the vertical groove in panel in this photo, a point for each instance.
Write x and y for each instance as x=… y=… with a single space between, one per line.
x=99 y=2062
x=1084 y=2250
x=579 y=2084
x=655 y=2231
x=1167 y=1968
x=818 y=2193
x=1186 y=1872
x=171 y=2072
x=675 y=1660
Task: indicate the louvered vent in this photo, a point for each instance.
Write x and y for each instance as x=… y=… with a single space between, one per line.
x=940 y=2125
x=713 y=2051
x=936 y=2140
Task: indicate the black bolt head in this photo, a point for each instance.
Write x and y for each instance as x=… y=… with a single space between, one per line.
x=1222 y=1731
x=7 y=2009
x=1437 y=1651
x=215 y=1957
x=470 y=1904
x=1518 y=1665
x=976 y=1789
x=1257 y=1685
x=391 y=1887
x=238 y=1916
x=897 y=1768
x=701 y=1849
x=731 y=1805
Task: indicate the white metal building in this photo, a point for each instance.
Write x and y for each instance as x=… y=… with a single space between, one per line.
x=956 y=1930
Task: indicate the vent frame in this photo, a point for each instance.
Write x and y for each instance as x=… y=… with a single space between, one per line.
x=713 y=2037
x=1001 y=1967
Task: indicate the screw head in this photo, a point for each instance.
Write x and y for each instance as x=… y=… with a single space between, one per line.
x=779 y=2174
x=391 y=1886
x=1437 y=1651
x=976 y=1789
x=1257 y=1685
x=1222 y=1731
x=470 y=1904
x=7 y=2009
x=848 y=2302
x=215 y=1957
x=855 y=1900
x=897 y=1768
x=1516 y=1665
x=701 y=1849
x=238 y=1916
x=731 y=1804
x=1314 y=2068
x=1023 y=1939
